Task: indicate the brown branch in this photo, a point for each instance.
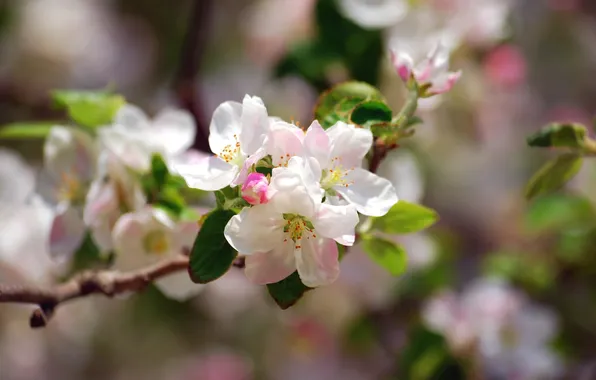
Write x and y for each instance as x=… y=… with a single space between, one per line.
x=191 y=54
x=108 y=283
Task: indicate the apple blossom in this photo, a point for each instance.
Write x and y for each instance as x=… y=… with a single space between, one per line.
x=432 y=74
x=293 y=231
x=374 y=14
x=133 y=137
x=339 y=152
x=114 y=191
x=254 y=189
x=510 y=334
x=236 y=135
x=149 y=235
x=70 y=159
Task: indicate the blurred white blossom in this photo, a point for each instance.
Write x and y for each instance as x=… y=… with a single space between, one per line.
x=511 y=336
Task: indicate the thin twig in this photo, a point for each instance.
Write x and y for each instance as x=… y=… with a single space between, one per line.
x=108 y=283
x=191 y=54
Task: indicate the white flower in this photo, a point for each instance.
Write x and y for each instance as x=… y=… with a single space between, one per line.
x=70 y=159
x=133 y=137
x=432 y=73
x=339 y=152
x=293 y=231
x=149 y=235
x=374 y=13
x=510 y=334
x=115 y=191
x=236 y=135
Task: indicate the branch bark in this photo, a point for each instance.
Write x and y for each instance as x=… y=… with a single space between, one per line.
x=191 y=54
x=108 y=283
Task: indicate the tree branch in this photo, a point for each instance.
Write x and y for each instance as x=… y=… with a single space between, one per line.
x=108 y=283
x=185 y=79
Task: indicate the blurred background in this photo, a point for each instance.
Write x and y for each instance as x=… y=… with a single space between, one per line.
x=525 y=63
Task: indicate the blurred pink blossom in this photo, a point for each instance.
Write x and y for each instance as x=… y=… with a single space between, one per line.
x=505 y=66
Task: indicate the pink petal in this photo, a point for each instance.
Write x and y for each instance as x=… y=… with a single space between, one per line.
x=271 y=267
x=317 y=261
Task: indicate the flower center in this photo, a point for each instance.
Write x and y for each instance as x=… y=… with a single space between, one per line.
x=156 y=243
x=335 y=176
x=231 y=153
x=297 y=227
x=71 y=189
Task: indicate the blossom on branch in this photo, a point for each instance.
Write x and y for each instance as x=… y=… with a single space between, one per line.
x=293 y=231
x=236 y=135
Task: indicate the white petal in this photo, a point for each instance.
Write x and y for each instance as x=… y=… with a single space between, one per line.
x=255 y=229
x=317 y=144
x=72 y=152
x=131 y=118
x=129 y=235
x=289 y=195
x=225 y=123
x=176 y=130
x=441 y=312
x=189 y=157
x=317 y=262
x=255 y=124
x=374 y=15
x=209 y=174
x=178 y=286
x=17 y=179
x=102 y=200
x=310 y=172
x=372 y=195
x=284 y=142
x=349 y=144
x=337 y=223
x=272 y=266
x=130 y=148
x=67 y=232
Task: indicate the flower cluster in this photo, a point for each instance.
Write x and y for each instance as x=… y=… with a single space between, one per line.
x=302 y=189
x=93 y=180
x=510 y=334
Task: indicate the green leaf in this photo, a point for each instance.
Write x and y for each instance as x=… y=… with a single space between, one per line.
x=211 y=254
x=553 y=175
x=386 y=253
x=287 y=291
x=25 y=130
x=171 y=200
x=559 y=135
x=189 y=214
x=404 y=218
x=372 y=110
x=89 y=108
x=159 y=170
x=326 y=110
x=557 y=211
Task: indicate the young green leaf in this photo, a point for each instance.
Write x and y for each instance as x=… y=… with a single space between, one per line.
x=25 y=130
x=371 y=111
x=326 y=110
x=559 y=135
x=287 y=291
x=553 y=175
x=159 y=170
x=211 y=254
x=386 y=253
x=404 y=218
x=89 y=108
x=557 y=211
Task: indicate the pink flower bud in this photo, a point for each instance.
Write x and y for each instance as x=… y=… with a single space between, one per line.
x=403 y=64
x=254 y=189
